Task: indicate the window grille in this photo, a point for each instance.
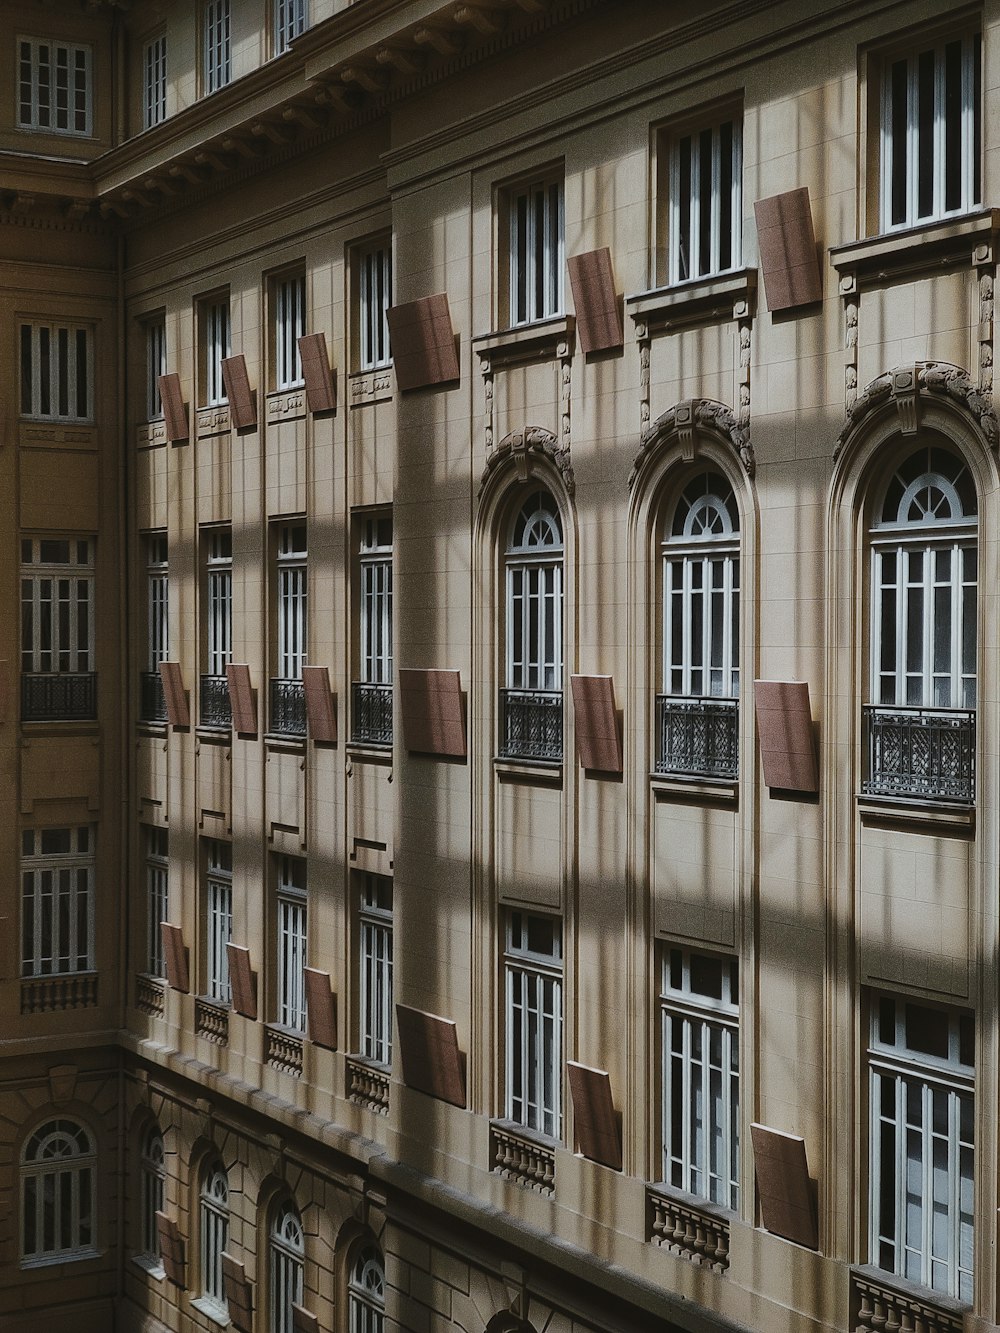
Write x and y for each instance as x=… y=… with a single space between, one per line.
x=156 y=365
x=219 y=932
x=218 y=63
x=214 y=1233
x=706 y=201
x=289 y=327
x=216 y=339
x=57 y=926
x=55 y=91
x=533 y=988
x=287 y=1265
x=57 y=1192
x=375 y=298
x=289 y=23
x=154 y=82
x=366 y=1292
x=375 y=919
x=57 y=370
x=292 y=943
x=699 y=1008
x=157 y=881
x=152 y=1176
x=537 y=252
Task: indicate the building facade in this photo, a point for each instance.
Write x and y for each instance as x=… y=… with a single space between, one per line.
x=499 y=719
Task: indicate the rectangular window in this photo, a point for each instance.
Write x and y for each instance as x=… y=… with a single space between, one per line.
x=931 y=132
x=154 y=81
x=158 y=908
x=292 y=943
x=921 y=1085
x=292 y=594
x=54 y=86
x=57 y=596
x=289 y=327
x=57 y=875
x=374 y=279
x=699 y=1009
x=533 y=1018
x=219 y=919
x=376 y=601
x=375 y=1007
x=213 y=329
x=57 y=372
x=157 y=600
x=703 y=186
x=537 y=251
x=219 y=561
x=156 y=365
x=289 y=23
x=218 y=56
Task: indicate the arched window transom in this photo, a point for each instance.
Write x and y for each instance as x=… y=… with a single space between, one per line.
x=57 y=1192
x=214 y=1231
x=366 y=1291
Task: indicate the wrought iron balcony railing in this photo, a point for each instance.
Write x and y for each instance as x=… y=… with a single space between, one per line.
x=152 y=705
x=697 y=736
x=372 y=720
x=531 y=724
x=927 y=754
x=216 y=708
x=67 y=697
x=288 y=707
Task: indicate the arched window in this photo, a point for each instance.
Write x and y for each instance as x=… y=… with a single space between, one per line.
x=57 y=1192
x=151 y=1173
x=697 y=721
x=287 y=1251
x=366 y=1291
x=921 y=722
x=214 y=1231
x=531 y=703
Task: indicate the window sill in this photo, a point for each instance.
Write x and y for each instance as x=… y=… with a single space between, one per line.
x=365 y=387
x=543 y=771
x=83 y=726
x=933 y=245
x=204 y=732
x=211 y=1310
x=375 y=754
x=541 y=341
x=720 y=296
x=283 y=741
x=942 y=1312
x=51 y=1260
x=898 y=810
x=708 y=791
x=213 y=419
x=286 y=404
x=152 y=1267
x=151 y=434
x=147 y=728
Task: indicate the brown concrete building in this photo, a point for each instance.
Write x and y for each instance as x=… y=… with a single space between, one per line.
x=499 y=515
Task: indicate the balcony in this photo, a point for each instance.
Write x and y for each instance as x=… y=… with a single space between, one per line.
x=67 y=697
x=372 y=720
x=211 y=1020
x=152 y=704
x=517 y=1155
x=45 y=995
x=368 y=1085
x=216 y=708
x=921 y=754
x=283 y=1050
x=697 y=737
x=880 y=1302
x=693 y=1229
x=288 y=708
x=532 y=725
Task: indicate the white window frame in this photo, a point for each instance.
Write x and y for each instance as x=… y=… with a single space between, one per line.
x=375 y=1010
x=217 y=68
x=55 y=86
x=700 y=1060
x=293 y=603
x=287 y=1266
x=154 y=81
x=290 y=21
x=375 y=557
x=913 y=1080
x=705 y=225
x=218 y=920
x=59 y=1160
x=157 y=897
x=57 y=606
x=537 y=253
x=57 y=901
x=374 y=270
x=219 y=599
x=157 y=601
x=217 y=346
x=533 y=1027
x=57 y=371
x=701 y=594
x=912 y=148
x=289 y=326
x=152 y=1178
x=214 y=1219
x=534 y=587
x=292 y=943
x=156 y=365
x=366 y=1291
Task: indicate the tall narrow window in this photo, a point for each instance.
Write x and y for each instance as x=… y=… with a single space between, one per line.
x=215 y=347
x=157 y=903
x=57 y=372
x=289 y=326
x=218 y=56
x=366 y=1291
x=699 y=1007
x=705 y=213
x=697 y=723
x=931 y=132
x=289 y=23
x=216 y=710
x=214 y=1219
x=373 y=692
x=152 y=1175
x=153 y=704
x=533 y=1017
x=374 y=278
x=156 y=365
x=922 y=1074
x=57 y=1193
x=219 y=919
x=531 y=703
x=57 y=629
x=921 y=723
x=55 y=91
x=375 y=1007
x=537 y=251
x=57 y=915
x=154 y=81
x=292 y=943
x=287 y=1264
x=288 y=708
